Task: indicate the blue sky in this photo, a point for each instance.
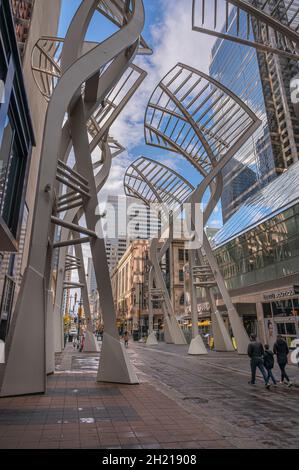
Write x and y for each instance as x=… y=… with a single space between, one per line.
x=168 y=32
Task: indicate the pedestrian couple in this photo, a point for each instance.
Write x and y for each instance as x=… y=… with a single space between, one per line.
x=263 y=359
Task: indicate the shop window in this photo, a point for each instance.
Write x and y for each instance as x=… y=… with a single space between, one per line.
x=6 y=306
x=290 y=329
x=282 y=308
x=12 y=174
x=181 y=255
x=267 y=310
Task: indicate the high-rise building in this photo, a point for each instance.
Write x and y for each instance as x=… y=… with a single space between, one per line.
x=262 y=81
x=126 y=219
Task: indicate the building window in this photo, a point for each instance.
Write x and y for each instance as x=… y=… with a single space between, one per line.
x=181 y=275
x=182 y=299
x=6 y=306
x=12 y=173
x=181 y=255
x=16 y=134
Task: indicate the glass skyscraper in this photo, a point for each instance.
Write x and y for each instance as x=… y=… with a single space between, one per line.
x=261 y=81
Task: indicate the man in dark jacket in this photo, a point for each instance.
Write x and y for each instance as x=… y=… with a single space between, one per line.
x=281 y=350
x=269 y=363
x=255 y=352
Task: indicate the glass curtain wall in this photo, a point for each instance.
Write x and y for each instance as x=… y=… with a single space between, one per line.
x=236 y=66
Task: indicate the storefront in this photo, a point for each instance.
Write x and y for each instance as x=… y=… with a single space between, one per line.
x=16 y=141
x=281 y=314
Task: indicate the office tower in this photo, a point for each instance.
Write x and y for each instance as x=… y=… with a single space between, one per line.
x=262 y=81
x=126 y=220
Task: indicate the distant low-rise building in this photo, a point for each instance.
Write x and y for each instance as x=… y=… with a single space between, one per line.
x=130 y=284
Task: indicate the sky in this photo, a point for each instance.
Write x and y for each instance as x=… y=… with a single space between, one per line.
x=168 y=31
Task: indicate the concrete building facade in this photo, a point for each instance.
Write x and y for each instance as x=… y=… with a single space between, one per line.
x=130 y=285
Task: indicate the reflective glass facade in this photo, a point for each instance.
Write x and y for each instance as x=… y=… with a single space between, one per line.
x=277 y=196
x=16 y=134
x=255 y=78
x=261 y=240
x=269 y=251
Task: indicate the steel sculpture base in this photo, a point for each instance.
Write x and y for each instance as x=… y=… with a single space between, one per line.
x=152 y=339
x=2 y=352
x=115 y=366
x=197 y=347
x=58 y=328
x=25 y=369
x=222 y=340
x=90 y=343
x=239 y=332
x=173 y=333
x=50 y=354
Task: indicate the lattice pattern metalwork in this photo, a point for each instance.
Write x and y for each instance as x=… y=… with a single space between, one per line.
x=96 y=72
x=271 y=25
x=197 y=117
x=155 y=183
x=118 y=12
x=192 y=114
x=46 y=58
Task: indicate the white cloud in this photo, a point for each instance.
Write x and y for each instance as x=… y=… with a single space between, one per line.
x=172 y=41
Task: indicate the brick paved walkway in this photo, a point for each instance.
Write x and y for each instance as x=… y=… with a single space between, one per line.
x=77 y=412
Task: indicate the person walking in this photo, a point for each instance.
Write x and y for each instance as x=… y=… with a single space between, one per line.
x=269 y=363
x=126 y=339
x=256 y=352
x=281 y=350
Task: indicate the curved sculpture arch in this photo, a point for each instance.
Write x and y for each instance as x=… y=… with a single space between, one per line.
x=155 y=184
x=46 y=66
x=193 y=115
x=25 y=370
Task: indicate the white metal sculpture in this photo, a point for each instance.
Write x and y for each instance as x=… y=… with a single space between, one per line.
x=154 y=183
x=191 y=114
x=85 y=81
x=46 y=66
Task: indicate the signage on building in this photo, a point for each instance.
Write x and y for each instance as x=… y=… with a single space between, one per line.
x=203 y=307
x=282 y=294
